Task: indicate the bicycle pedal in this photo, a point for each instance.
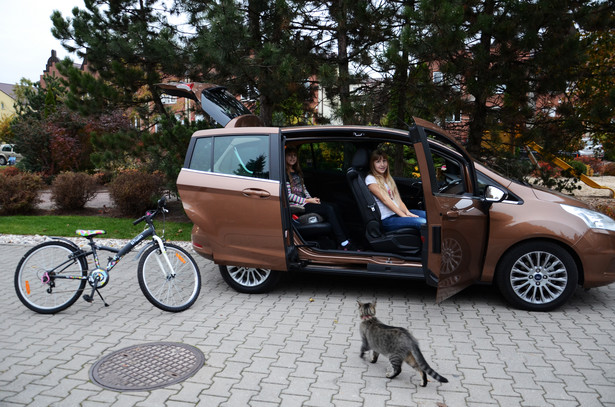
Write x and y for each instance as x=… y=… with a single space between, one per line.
x=88 y=298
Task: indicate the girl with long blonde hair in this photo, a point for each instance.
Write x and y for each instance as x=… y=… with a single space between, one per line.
x=393 y=212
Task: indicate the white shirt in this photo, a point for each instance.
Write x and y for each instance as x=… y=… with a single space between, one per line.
x=385 y=212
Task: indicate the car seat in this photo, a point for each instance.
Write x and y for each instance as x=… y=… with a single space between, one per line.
x=402 y=241
x=312 y=227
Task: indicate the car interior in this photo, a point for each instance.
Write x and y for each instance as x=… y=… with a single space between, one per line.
x=335 y=172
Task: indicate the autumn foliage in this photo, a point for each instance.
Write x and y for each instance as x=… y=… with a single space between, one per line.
x=19 y=191
x=72 y=190
x=135 y=191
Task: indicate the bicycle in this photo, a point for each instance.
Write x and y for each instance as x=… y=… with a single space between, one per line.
x=51 y=276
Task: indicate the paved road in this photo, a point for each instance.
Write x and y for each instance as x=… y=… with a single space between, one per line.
x=299 y=346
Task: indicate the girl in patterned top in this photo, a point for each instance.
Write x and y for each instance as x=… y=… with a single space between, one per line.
x=298 y=194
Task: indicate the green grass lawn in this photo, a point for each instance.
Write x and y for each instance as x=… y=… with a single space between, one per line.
x=117 y=228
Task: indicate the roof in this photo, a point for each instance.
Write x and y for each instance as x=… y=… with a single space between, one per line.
x=8 y=89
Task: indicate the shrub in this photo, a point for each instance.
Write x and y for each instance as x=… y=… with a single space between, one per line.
x=19 y=192
x=72 y=190
x=578 y=167
x=609 y=169
x=556 y=178
x=607 y=209
x=103 y=177
x=134 y=191
x=595 y=164
x=9 y=171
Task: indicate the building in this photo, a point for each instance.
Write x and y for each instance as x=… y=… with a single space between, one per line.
x=7 y=100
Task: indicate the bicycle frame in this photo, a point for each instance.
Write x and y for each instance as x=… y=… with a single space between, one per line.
x=167 y=274
x=98 y=277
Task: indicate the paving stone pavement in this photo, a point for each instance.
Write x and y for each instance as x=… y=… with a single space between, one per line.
x=299 y=346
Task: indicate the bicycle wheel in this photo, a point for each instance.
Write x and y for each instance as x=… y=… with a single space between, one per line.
x=166 y=291
x=48 y=279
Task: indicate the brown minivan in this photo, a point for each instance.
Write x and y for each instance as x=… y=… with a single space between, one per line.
x=536 y=245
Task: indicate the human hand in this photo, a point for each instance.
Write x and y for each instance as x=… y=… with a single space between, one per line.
x=313 y=200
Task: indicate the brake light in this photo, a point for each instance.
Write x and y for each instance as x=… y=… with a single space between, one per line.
x=185 y=86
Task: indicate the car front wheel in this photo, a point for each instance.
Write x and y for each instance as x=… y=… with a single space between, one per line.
x=537 y=276
x=250 y=280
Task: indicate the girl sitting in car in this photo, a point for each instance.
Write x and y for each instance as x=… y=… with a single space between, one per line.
x=393 y=212
x=299 y=195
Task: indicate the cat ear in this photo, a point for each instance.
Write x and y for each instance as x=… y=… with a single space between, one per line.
x=359 y=302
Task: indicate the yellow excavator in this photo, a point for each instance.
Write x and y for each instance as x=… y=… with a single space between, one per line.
x=564 y=165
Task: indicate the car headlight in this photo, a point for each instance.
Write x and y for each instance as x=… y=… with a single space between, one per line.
x=593 y=219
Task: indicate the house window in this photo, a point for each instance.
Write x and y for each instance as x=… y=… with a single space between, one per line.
x=168 y=99
x=454 y=117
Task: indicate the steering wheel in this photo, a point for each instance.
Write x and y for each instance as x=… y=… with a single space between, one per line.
x=449 y=185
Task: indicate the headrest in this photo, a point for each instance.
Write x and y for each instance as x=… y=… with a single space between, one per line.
x=361 y=158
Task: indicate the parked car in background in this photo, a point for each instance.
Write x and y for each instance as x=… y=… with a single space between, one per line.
x=591 y=148
x=7 y=151
x=535 y=245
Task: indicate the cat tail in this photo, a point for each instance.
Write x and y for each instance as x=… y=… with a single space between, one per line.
x=420 y=360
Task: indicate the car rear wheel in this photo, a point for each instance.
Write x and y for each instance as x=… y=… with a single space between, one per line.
x=537 y=276
x=250 y=280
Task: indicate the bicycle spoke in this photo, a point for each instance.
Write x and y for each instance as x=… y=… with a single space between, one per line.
x=171 y=283
x=49 y=278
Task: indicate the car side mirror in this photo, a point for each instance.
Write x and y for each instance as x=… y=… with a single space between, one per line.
x=494 y=194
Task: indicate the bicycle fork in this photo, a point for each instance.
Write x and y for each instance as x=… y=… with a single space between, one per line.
x=171 y=273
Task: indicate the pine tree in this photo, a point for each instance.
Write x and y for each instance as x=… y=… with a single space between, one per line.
x=129 y=46
x=504 y=62
x=249 y=47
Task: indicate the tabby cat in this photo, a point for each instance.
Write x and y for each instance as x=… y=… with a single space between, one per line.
x=395 y=343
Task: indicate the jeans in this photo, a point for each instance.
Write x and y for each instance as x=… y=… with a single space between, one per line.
x=397 y=222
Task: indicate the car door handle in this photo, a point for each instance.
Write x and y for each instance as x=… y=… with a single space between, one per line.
x=255 y=193
x=452 y=214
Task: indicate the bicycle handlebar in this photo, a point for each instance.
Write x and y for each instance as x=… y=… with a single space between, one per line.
x=162 y=202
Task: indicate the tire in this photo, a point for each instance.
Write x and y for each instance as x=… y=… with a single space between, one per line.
x=250 y=280
x=52 y=259
x=2 y=160
x=169 y=293
x=537 y=276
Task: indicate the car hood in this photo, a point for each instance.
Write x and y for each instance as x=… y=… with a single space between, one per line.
x=545 y=194
x=214 y=100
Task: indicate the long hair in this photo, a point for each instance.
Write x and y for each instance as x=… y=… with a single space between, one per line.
x=294 y=168
x=386 y=178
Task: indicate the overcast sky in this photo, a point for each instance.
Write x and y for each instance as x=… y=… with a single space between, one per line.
x=25 y=37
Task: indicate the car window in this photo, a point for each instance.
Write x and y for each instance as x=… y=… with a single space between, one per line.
x=326 y=156
x=449 y=174
x=201 y=156
x=6 y=148
x=244 y=155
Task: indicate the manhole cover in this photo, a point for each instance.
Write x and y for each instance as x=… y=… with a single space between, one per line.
x=147 y=367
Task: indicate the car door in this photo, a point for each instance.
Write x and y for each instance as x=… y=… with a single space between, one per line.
x=230 y=189
x=457 y=217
